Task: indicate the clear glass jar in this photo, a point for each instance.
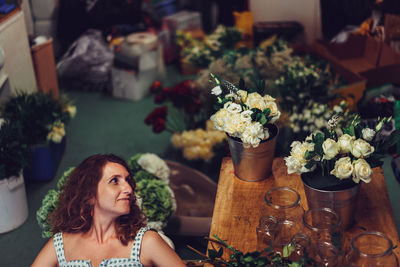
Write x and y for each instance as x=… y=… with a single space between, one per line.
x=324 y=254
x=323 y=225
x=280 y=218
x=371 y=249
x=282 y=203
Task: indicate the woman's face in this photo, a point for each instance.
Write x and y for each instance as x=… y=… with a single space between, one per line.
x=114 y=194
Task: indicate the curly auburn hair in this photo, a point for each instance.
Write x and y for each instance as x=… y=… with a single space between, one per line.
x=73 y=212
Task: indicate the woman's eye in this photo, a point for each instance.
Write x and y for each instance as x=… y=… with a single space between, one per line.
x=114 y=181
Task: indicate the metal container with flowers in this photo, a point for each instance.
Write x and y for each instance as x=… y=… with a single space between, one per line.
x=247 y=116
x=43 y=119
x=13 y=158
x=333 y=162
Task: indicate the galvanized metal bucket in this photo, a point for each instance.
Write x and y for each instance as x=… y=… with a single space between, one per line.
x=343 y=202
x=253 y=164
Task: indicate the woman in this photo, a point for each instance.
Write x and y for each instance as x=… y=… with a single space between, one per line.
x=98 y=223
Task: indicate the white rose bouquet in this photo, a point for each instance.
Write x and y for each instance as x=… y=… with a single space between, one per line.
x=243 y=113
x=348 y=152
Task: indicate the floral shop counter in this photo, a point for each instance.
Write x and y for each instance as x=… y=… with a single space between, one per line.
x=238 y=204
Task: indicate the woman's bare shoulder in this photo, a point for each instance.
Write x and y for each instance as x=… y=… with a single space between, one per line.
x=47 y=256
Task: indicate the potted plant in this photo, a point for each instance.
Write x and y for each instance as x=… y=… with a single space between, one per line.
x=43 y=120
x=13 y=158
x=247 y=116
x=333 y=162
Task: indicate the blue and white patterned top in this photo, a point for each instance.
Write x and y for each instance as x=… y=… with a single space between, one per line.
x=132 y=261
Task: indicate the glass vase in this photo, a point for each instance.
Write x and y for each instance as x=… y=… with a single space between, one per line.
x=371 y=249
x=280 y=218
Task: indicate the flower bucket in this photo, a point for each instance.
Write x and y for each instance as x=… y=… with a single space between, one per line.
x=13 y=204
x=341 y=198
x=44 y=160
x=253 y=164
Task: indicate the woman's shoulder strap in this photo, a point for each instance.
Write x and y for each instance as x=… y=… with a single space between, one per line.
x=135 y=253
x=59 y=246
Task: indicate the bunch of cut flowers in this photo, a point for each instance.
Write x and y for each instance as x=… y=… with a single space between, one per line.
x=316 y=116
x=201 y=53
x=182 y=104
x=42 y=117
x=305 y=79
x=243 y=113
x=199 y=143
x=347 y=153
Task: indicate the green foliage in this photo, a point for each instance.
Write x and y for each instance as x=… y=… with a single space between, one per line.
x=252 y=259
x=36 y=112
x=13 y=150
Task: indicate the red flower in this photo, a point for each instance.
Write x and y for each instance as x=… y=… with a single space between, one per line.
x=159 y=98
x=156 y=87
x=159 y=125
x=158 y=113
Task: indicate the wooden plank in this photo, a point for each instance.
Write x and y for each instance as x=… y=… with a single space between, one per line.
x=238 y=203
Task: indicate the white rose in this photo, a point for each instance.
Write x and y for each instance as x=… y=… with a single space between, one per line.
x=275 y=113
x=361 y=171
x=243 y=95
x=331 y=148
x=255 y=100
x=233 y=107
x=268 y=98
x=362 y=149
x=216 y=90
x=343 y=168
x=71 y=110
x=368 y=134
x=346 y=143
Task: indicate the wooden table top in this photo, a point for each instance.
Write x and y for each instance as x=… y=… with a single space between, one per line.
x=238 y=203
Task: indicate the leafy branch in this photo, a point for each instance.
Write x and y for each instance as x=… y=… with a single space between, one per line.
x=250 y=259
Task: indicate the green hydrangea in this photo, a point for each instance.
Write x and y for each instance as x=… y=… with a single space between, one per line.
x=63 y=179
x=157 y=202
x=133 y=163
x=49 y=204
x=143 y=175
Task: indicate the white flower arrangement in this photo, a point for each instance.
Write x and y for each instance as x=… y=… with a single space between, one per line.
x=243 y=114
x=351 y=152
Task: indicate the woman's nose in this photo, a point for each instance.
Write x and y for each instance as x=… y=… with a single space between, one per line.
x=127 y=188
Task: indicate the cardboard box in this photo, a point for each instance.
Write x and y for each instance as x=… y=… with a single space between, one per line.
x=377 y=62
x=45 y=67
x=183 y=20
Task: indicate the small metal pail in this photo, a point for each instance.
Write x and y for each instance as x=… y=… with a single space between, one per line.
x=343 y=202
x=253 y=164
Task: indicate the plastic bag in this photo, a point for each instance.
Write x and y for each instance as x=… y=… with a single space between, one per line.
x=87 y=62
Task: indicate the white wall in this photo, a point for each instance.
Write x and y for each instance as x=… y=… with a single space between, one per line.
x=306 y=12
x=18 y=61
